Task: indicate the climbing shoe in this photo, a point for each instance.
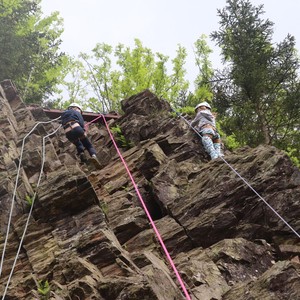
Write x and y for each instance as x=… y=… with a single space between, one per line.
x=82 y=157
x=218 y=149
x=95 y=161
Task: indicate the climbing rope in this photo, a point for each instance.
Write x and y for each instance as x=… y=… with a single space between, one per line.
x=245 y=181
x=148 y=214
x=31 y=208
x=261 y=198
x=86 y=125
x=15 y=188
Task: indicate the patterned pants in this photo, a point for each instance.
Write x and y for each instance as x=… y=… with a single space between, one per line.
x=211 y=142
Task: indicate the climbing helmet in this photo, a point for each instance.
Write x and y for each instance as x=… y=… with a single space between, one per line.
x=75 y=105
x=203 y=104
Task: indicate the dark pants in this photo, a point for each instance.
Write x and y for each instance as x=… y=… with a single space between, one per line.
x=77 y=137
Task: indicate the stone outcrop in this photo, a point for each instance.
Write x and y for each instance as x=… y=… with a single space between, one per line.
x=89 y=237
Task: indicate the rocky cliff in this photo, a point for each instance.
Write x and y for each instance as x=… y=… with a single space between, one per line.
x=89 y=237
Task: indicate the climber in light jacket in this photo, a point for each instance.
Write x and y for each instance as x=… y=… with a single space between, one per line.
x=204 y=122
x=73 y=124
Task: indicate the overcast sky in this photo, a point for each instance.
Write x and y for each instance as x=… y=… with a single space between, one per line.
x=160 y=24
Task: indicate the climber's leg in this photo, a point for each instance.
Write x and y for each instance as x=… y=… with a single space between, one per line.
x=209 y=146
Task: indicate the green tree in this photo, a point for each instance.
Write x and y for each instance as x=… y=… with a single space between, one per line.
x=142 y=69
x=160 y=75
x=178 y=85
x=103 y=80
x=203 y=86
x=258 y=93
x=74 y=81
x=115 y=74
x=29 y=47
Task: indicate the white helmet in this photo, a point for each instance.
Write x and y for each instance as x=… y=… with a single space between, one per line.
x=203 y=104
x=75 y=105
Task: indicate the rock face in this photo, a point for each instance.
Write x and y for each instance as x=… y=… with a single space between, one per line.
x=89 y=237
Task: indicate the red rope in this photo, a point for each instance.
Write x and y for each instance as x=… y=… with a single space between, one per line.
x=148 y=214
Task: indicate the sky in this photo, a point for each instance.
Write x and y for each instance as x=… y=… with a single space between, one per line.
x=159 y=24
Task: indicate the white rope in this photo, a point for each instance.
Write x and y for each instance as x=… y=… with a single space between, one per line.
x=273 y=209
x=31 y=208
x=15 y=188
x=245 y=181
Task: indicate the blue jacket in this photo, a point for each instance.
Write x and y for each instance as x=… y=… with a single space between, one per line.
x=72 y=115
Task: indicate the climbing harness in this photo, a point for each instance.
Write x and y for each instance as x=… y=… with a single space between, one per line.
x=244 y=180
x=148 y=214
x=33 y=200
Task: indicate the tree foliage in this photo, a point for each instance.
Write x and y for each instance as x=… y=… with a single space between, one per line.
x=29 y=46
x=257 y=94
x=114 y=74
x=203 y=86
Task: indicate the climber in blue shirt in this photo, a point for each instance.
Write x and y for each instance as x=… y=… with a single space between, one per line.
x=73 y=124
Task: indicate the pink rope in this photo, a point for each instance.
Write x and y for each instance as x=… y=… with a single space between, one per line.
x=148 y=214
x=86 y=125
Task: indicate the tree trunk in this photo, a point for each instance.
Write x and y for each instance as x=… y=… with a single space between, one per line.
x=263 y=125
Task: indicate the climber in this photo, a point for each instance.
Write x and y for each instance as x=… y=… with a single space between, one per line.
x=73 y=124
x=205 y=124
